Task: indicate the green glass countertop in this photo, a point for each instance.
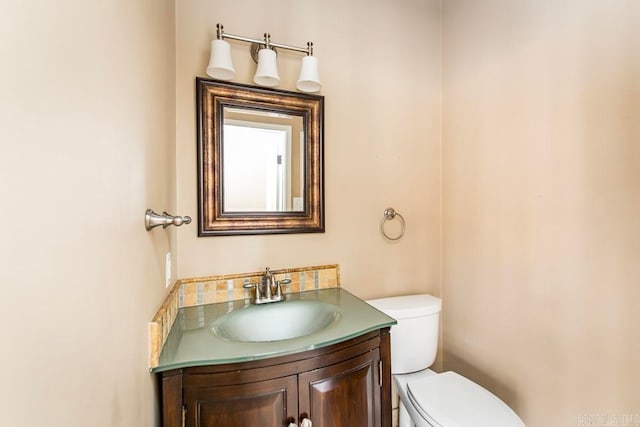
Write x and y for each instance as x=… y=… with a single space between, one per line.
x=191 y=341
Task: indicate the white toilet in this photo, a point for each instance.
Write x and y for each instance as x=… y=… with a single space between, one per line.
x=429 y=399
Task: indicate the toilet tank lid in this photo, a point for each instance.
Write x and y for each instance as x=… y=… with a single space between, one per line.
x=408 y=306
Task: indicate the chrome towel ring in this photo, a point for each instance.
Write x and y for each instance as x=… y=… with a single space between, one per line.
x=390 y=214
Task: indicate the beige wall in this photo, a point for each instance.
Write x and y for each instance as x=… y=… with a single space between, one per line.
x=380 y=66
x=541 y=185
x=87 y=144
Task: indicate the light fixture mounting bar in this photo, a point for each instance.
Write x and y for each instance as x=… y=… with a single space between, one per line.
x=266 y=41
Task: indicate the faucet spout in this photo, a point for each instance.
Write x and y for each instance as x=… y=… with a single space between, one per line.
x=267 y=283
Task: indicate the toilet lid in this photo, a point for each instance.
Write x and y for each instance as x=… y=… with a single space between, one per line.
x=451 y=400
x=408 y=306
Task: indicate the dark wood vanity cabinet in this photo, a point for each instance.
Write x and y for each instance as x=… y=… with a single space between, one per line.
x=346 y=384
x=344 y=394
x=253 y=404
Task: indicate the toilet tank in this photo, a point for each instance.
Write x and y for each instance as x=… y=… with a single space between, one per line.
x=414 y=340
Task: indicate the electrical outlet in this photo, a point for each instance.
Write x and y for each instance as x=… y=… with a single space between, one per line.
x=167 y=269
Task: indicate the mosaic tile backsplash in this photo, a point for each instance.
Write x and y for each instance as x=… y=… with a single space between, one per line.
x=214 y=289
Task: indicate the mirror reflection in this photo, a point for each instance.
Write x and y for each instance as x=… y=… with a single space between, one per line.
x=263 y=161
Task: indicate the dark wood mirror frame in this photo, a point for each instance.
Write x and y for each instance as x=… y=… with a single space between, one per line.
x=212 y=97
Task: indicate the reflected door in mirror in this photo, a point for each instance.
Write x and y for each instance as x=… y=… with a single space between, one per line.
x=263 y=160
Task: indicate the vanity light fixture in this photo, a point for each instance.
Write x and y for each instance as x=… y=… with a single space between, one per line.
x=264 y=53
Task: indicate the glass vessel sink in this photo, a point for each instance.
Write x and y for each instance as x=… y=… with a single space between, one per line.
x=276 y=321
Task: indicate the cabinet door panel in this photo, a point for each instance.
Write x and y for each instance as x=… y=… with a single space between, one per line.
x=265 y=403
x=344 y=394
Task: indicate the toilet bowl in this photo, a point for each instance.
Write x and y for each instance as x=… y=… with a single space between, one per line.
x=427 y=398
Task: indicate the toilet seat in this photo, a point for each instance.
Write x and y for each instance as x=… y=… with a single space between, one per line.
x=450 y=400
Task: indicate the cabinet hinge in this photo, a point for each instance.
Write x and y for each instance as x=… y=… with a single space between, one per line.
x=380 y=373
x=184 y=416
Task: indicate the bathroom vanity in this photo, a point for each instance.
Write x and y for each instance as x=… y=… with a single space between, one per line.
x=338 y=375
x=344 y=384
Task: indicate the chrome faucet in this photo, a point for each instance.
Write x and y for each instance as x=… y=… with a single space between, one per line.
x=269 y=289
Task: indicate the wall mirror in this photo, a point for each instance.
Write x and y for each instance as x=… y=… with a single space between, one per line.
x=260 y=160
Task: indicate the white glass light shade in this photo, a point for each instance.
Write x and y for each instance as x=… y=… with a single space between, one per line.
x=220 y=65
x=309 y=80
x=267 y=72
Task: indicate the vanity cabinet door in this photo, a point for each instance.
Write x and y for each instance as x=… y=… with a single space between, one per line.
x=343 y=394
x=264 y=403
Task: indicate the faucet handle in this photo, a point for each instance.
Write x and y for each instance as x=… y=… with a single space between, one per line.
x=279 y=284
x=256 y=287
